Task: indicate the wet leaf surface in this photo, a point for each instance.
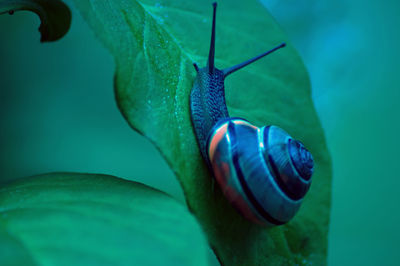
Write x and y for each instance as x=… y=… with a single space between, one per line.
x=82 y=219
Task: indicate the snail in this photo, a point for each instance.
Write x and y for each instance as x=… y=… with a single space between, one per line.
x=263 y=172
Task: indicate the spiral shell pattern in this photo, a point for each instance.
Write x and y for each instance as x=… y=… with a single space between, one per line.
x=263 y=172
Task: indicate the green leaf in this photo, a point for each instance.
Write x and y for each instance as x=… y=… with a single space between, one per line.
x=154 y=44
x=55 y=16
x=12 y=251
x=82 y=219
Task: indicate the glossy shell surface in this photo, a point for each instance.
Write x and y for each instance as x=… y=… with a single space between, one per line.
x=263 y=172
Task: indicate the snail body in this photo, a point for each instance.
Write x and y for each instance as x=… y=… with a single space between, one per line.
x=263 y=172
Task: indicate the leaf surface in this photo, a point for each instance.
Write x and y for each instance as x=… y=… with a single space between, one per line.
x=154 y=44
x=82 y=219
x=12 y=251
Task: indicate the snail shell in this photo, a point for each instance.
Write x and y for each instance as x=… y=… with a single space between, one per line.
x=263 y=172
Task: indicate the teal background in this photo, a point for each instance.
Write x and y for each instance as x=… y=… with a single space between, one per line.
x=58 y=113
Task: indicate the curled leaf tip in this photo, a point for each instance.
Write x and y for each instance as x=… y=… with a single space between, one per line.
x=55 y=16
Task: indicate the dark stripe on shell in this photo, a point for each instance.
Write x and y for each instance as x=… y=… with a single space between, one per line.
x=246 y=189
x=294 y=195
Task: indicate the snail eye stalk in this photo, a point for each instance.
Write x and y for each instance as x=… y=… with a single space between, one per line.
x=230 y=70
x=211 y=54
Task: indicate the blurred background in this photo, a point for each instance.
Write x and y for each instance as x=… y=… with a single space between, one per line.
x=58 y=113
